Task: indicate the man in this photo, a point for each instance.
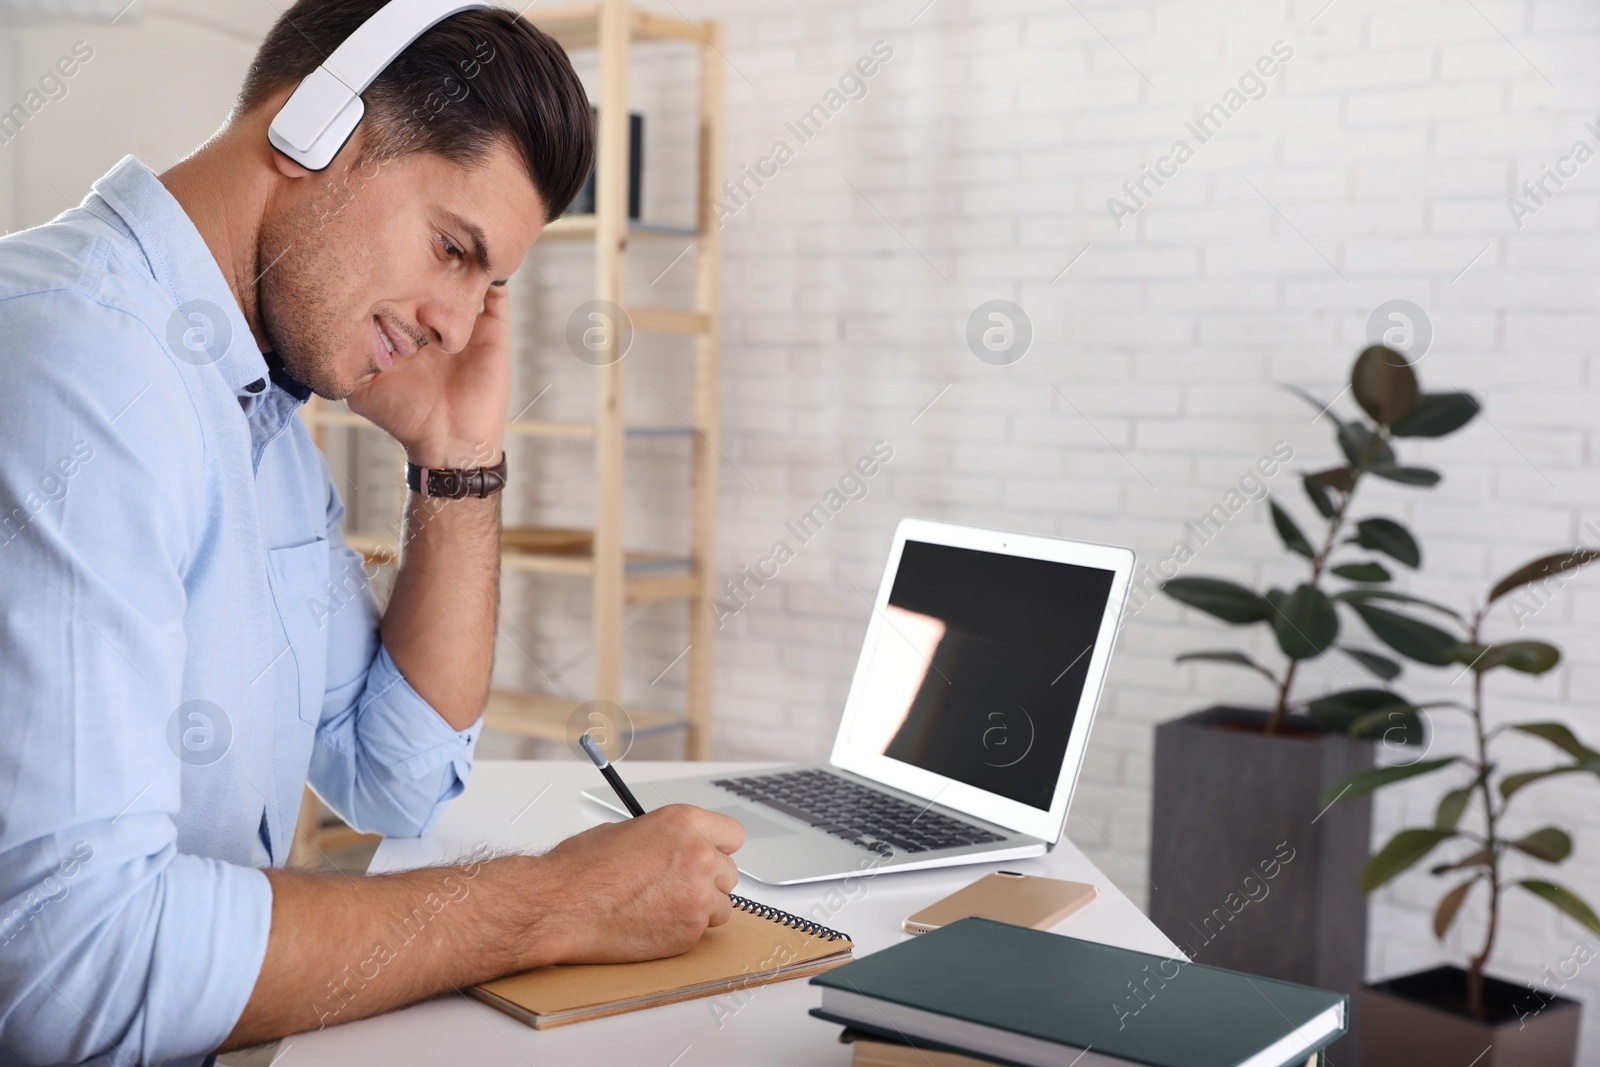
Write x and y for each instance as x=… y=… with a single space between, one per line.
x=180 y=649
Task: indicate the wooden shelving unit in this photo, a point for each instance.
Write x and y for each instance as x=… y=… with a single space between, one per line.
x=620 y=577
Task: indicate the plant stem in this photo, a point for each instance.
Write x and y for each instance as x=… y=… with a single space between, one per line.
x=1475 y=998
x=1280 y=709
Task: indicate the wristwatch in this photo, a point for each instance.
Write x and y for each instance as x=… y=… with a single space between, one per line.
x=454 y=483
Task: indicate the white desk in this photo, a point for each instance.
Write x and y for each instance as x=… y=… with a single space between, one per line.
x=534 y=804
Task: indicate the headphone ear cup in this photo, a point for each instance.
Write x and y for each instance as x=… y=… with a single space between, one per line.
x=327 y=146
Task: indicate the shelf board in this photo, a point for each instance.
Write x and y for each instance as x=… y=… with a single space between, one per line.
x=379 y=549
x=642 y=570
x=577 y=564
x=548 y=428
x=649 y=576
x=521 y=427
x=669 y=320
x=661 y=431
x=546 y=715
x=585 y=430
x=582 y=227
x=647 y=588
x=577 y=26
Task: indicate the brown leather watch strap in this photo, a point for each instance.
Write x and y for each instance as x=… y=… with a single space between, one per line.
x=455 y=483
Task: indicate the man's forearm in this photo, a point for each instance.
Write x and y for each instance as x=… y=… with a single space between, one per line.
x=440 y=624
x=346 y=948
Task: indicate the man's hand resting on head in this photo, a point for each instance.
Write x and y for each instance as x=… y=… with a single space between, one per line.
x=447 y=406
x=644 y=888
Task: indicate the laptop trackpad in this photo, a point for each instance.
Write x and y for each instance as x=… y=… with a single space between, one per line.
x=755 y=826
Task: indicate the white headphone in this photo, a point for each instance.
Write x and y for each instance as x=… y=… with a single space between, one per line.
x=325 y=108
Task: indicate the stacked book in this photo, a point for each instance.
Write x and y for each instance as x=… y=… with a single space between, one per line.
x=980 y=992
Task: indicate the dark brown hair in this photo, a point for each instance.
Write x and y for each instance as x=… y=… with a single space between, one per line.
x=477 y=77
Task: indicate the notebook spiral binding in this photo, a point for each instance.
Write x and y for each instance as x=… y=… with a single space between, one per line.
x=778 y=915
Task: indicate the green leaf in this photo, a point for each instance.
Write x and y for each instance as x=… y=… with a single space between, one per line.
x=1293 y=539
x=1446 y=913
x=1451 y=805
x=1566 y=901
x=1365 y=571
x=1363 y=448
x=1545 y=567
x=1336 y=711
x=1365 y=782
x=1319 y=497
x=1303 y=621
x=1382 y=666
x=1384 y=385
x=1228 y=601
x=1515 y=783
x=1548 y=844
x=1352 y=596
x=1237 y=658
x=1479 y=858
x=1398 y=725
x=1560 y=736
x=1410 y=637
x=1405 y=849
x=1390 y=538
x=1436 y=415
x=1406 y=475
x=1340 y=478
x=1529 y=657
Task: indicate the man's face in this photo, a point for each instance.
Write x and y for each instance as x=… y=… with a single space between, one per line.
x=371 y=260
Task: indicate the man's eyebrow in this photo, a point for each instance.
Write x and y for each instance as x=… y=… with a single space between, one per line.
x=480 y=243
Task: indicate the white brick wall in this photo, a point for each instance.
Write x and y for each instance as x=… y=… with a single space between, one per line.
x=982 y=158
x=991 y=141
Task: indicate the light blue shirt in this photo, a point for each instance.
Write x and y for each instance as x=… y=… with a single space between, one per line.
x=184 y=640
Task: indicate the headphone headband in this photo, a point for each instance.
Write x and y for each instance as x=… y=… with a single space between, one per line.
x=324 y=109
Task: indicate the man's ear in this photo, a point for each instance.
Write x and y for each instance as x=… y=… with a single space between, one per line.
x=288 y=167
x=354 y=150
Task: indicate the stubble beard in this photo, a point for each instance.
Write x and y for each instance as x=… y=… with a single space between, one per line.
x=295 y=317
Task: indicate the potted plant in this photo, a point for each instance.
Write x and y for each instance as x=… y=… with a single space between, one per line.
x=1248 y=870
x=1450 y=1014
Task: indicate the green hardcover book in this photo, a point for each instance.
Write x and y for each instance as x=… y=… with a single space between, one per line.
x=1037 y=999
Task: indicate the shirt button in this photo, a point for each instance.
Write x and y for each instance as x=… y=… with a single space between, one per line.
x=256 y=386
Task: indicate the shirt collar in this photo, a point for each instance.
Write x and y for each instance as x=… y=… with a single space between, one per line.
x=284 y=380
x=207 y=328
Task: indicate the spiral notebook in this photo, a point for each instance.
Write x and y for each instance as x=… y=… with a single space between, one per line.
x=757 y=945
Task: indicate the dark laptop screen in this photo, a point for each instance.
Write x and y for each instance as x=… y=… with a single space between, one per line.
x=977 y=671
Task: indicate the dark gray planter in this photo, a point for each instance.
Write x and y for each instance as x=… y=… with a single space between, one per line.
x=1248 y=870
x=1421 y=1018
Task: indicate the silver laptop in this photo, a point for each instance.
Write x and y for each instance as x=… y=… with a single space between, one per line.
x=966 y=722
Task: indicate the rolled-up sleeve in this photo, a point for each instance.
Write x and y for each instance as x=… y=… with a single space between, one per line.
x=114 y=946
x=384 y=759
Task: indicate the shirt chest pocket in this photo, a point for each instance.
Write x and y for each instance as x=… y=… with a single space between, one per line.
x=299 y=579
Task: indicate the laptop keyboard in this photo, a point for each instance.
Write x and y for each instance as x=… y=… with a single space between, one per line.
x=864 y=817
